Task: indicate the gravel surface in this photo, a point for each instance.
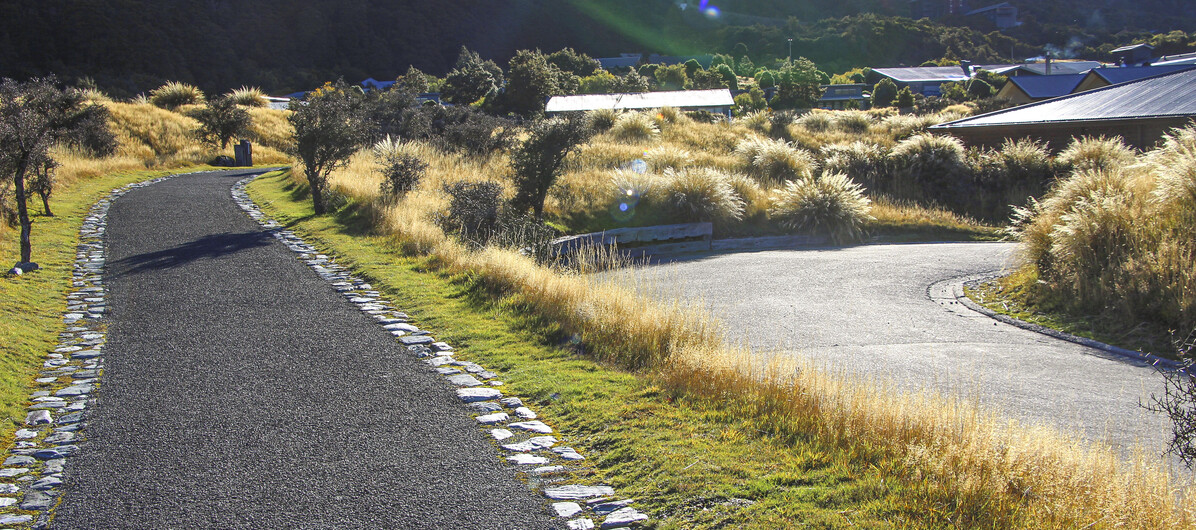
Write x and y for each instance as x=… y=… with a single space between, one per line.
x=866 y=310
x=241 y=391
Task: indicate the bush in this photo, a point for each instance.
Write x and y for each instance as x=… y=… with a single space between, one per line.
x=864 y=163
x=635 y=127
x=1096 y=154
x=473 y=212
x=1010 y=176
x=832 y=204
x=601 y=120
x=248 y=97
x=756 y=121
x=884 y=93
x=1175 y=168
x=537 y=162
x=174 y=94
x=702 y=194
x=931 y=168
x=401 y=170
x=220 y=121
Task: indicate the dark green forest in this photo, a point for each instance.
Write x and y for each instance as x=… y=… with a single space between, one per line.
x=129 y=46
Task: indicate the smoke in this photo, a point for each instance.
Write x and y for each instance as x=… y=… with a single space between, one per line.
x=1066 y=52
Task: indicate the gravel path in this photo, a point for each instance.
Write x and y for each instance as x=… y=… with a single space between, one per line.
x=867 y=310
x=241 y=391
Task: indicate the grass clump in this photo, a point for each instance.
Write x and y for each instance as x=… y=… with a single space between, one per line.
x=816 y=122
x=175 y=94
x=853 y=121
x=703 y=194
x=248 y=97
x=929 y=167
x=601 y=120
x=774 y=161
x=635 y=127
x=1101 y=153
x=865 y=163
x=831 y=204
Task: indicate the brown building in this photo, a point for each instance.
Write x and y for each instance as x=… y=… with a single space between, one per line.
x=1140 y=112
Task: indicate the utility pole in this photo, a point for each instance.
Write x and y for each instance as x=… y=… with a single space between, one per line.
x=790 y=50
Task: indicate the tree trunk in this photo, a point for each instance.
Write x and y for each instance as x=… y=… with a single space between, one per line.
x=317 y=195
x=46 y=203
x=23 y=212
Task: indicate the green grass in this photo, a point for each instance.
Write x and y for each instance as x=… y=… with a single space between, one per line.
x=691 y=463
x=1009 y=296
x=32 y=305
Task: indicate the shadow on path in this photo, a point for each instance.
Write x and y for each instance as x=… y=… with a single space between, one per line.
x=212 y=246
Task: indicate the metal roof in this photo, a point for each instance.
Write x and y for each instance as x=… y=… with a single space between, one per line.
x=1168 y=95
x=1061 y=67
x=1185 y=58
x=1131 y=47
x=1047 y=86
x=994 y=7
x=720 y=97
x=940 y=74
x=1131 y=73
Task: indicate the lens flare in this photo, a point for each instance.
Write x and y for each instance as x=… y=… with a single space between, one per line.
x=638 y=165
x=712 y=12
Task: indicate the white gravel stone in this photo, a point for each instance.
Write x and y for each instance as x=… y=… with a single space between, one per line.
x=576 y=491
x=524 y=459
x=623 y=517
x=534 y=444
x=548 y=470
x=581 y=524
x=464 y=380
x=533 y=426
x=566 y=509
x=492 y=419
x=501 y=434
x=472 y=395
x=525 y=413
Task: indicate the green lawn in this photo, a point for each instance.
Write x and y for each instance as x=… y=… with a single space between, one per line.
x=690 y=463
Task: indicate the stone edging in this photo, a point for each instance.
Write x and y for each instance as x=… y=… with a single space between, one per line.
x=952 y=291
x=70 y=375
x=528 y=442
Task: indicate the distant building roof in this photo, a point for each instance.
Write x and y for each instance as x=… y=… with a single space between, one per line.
x=1183 y=58
x=1166 y=96
x=1126 y=74
x=1132 y=47
x=1047 y=86
x=648 y=100
x=618 y=62
x=994 y=7
x=941 y=74
x=374 y=84
x=1060 y=67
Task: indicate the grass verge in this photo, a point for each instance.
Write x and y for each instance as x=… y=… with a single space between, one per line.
x=1011 y=296
x=31 y=305
x=690 y=462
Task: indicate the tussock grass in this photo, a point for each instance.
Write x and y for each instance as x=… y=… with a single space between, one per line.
x=248 y=96
x=830 y=204
x=175 y=94
x=703 y=194
x=635 y=127
x=1099 y=153
x=774 y=161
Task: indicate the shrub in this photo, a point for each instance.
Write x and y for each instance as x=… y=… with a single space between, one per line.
x=671 y=115
x=1174 y=165
x=601 y=120
x=537 y=162
x=930 y=167
x=660 y=158
x=248 y=97
x=1010 y=176
x=473 y=211
x=831 y=204
x=401 y=170
x=635 y=127
x=903 y=126
x=853 y=121
x=884 y=93
x=174 y=94
x=702 y=194
x=756 y=121
x=779 y=122
x=220 y=121
x=329 y=129
x=816 y=121
x=1096 y=154
x=865 y=163
x=466 y=130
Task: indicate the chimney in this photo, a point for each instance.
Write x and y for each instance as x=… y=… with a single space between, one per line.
x=1048 y=63
x=967 y=68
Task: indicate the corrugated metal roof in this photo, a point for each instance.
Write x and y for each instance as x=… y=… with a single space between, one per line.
x=1132 y=47
x=1126 y=74
x=941 y=74
x=1167 y=95
x=648 y=100
x=1061 y=67
x=1187 y=58
x=1047 y=86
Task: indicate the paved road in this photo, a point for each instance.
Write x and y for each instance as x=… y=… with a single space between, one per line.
x=866 y=310
x=241 y=391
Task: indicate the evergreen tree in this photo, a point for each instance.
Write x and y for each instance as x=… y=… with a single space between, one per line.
x=471 y=79
x=884 y=93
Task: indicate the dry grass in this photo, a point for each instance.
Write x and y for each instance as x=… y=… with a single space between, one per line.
x=973 y=468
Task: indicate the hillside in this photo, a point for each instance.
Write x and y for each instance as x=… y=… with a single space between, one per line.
x=130 y=46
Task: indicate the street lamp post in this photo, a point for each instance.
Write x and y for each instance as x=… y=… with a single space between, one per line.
x=790 y=50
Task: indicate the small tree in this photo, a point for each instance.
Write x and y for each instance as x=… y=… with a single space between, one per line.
x=220 y=121
x=413 y=81
x=570 y=61
x=471 y=78
x=1178 y=402
x=537 y=162
x=328 y=130
x=633 y=82
x=33 y=116
x=884 y=93
x=672 y=77
x=42 y=182
x=531 y=80
x=905 y=98
x=401 y=171
x=798 y=85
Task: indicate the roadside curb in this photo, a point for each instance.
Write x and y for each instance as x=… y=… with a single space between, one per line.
x=952 y=290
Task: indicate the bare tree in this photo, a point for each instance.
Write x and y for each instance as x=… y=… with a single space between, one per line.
x=1178 y=402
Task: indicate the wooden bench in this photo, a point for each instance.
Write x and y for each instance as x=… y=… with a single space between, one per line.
x=646 y=240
